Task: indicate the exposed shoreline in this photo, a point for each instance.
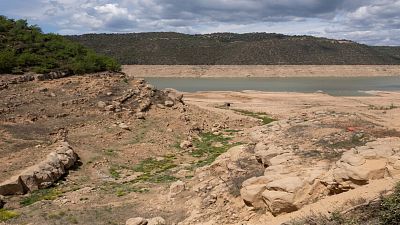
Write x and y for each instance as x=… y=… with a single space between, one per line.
x=226 y=71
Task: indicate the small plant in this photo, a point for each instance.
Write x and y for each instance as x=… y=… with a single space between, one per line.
x=154 y=170
x=7 y=215
x=258 y=115
x=110 y=152
x=44 y=194
x=390 y=207
x=56 y=215
x=205 y=150
x=114 y=172
x=72 y=219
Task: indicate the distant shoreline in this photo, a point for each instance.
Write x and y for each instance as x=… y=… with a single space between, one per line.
x=227 y=71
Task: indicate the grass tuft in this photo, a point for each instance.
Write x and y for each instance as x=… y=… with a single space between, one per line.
x=7 y=214
x=258 y=115
x=45 y=194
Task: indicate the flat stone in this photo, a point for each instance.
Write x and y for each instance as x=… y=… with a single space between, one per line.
x=279 y=202
x=288 y=184
x=136 y=221
x=251 y=194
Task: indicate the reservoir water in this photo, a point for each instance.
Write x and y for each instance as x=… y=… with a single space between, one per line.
x=336 y=86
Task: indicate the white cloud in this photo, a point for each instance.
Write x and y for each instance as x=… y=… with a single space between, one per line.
x=367 y=21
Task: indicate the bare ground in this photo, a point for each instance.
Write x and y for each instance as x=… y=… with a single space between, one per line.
x=226 y=71
x=32 y=113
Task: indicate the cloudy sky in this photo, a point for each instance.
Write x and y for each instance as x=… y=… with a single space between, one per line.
x=375 y=22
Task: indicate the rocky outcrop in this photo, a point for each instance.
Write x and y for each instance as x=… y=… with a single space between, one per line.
x=142 y=221
x=43 y=174
x=140 y=98
x=291 y=180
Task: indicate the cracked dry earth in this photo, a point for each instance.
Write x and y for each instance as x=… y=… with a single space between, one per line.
x=195 y=162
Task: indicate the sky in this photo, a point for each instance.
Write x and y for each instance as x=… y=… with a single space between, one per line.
x=373 y=22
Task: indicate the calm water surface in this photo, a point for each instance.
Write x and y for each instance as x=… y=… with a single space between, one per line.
x=337 y=86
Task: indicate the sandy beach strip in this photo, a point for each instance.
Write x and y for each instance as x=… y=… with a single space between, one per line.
x=226 y=71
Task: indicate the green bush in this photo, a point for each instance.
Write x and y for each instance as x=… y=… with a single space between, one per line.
x=390 y=208
x=26 y=48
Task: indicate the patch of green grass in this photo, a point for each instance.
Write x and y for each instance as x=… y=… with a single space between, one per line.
x=7 y=214
x=391 y=106
x=232 y=131
x=205 y=150
x=110 y=152
x=72 y=219
x=113 y=170
x=56 y=215
x=258 y=115
x=44 y=194
x=155 y=170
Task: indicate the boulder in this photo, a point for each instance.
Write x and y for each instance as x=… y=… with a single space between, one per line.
x=156 y=221
x=136 y=221
x=279 y=202
x=124 y=126
x=43 y=174
x=353 y=159
x=101 y=104
x=287 y=184
x=12 y=186
x=358 y=175
x=251 y=194
x=169 y=103
x=140 y=115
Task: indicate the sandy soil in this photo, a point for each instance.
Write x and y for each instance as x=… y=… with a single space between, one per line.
x=31 y=113
x=379 y=109
x=261 y=71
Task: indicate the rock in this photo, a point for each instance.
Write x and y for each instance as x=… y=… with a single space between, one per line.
x=186 y=144
x=109 y=93
x=251 y=194
x=124 y=126
x=12 y=186
x=169 y=103
x=217 y=144
x=136 y=221
x=359 y=175
x=43 y=174
x=176 y=188
x=101 y=104
x=353 y=159
x=288 y=184
x=279 y=202
x=140 y=115
x=109 y=108
x=2 y=201
x=174 y=95
x=161 y=106
x=156 y=221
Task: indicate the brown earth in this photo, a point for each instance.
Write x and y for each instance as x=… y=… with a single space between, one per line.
x=127 y=164
x=227 y=71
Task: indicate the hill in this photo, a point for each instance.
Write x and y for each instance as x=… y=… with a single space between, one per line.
x=235 y=49
x=24 y=48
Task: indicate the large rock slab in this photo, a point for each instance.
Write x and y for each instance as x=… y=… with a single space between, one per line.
x=43 y=174
x=279 y=201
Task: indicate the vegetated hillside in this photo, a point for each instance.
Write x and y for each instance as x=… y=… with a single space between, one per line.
x=25 y=48
x=233 y=49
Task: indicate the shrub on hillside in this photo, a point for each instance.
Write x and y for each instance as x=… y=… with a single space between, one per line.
x=390 y=208
x=25 y=48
